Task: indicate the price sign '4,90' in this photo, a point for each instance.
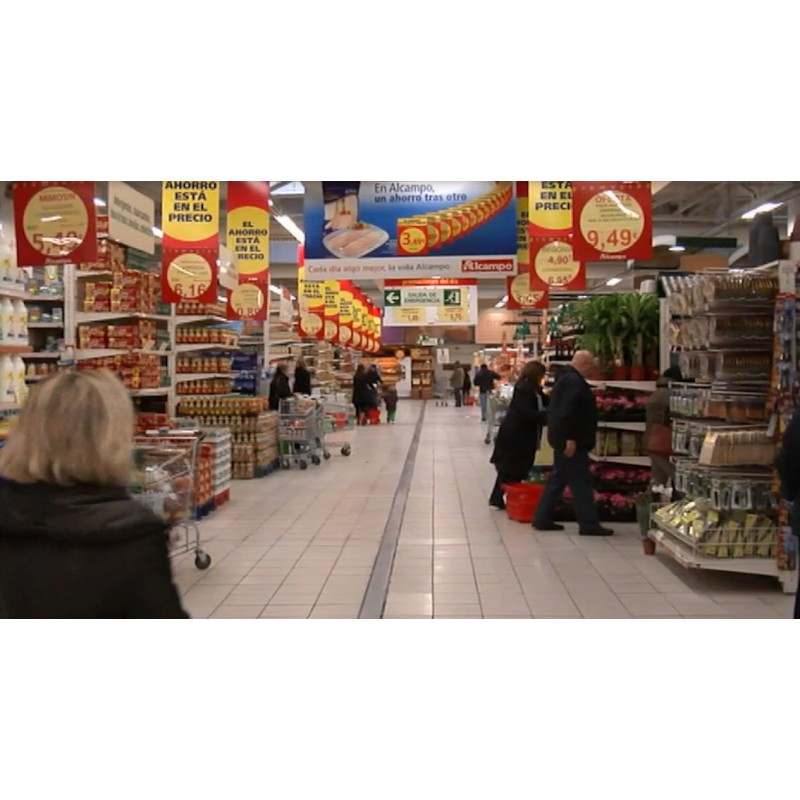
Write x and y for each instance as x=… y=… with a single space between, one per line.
x=613 y=221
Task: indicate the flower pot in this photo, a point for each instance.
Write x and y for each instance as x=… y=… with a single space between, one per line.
x=621 y=373
x=649 y=547
x=638 y=373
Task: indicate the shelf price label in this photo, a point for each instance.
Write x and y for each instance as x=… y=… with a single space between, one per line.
x=612 y=221
x=55 y=223
x=248 y=301
x=189 y=276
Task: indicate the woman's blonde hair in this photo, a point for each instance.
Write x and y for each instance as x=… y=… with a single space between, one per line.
x=75 y=428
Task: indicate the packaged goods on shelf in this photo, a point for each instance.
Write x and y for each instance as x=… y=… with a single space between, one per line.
x=150 y=422
x=205 y=362
x=136 y=371
x=187 y=308
x=39 y=370
x=126 y=291
x=222 y=406
x=206 y=335
x=221 y=386
x=142 y=334
x=219 y=443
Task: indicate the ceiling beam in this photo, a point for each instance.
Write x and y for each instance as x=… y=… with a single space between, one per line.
x=774 y=195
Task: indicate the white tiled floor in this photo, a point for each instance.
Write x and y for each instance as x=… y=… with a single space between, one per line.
x=302 y=544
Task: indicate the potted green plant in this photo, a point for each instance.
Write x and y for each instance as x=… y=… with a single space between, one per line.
x=642 y=315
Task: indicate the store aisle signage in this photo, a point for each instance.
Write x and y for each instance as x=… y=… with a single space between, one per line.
x=190 y=224
x=311 y=302
x=421 y=296
x=55 y=222
x=612 y=221
x=132 y=216
x=521 y=293
x=549 y=207
x=332 y=312
x=397 y=229
x=554 y=265
x=248 y=229
x=248 y=301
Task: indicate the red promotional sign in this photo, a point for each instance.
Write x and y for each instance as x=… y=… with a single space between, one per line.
x=612 y=221
x=248 y=301
x=526 y=291
x=190 y=248
x=389 y=282
x=553 y=263
x=55 y=223
x=248 y=229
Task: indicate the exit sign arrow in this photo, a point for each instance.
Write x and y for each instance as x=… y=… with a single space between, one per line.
x=391 y=298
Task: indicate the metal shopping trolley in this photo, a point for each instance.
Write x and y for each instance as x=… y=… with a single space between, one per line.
x=337 y=417
x=442 y=391
x=166 y=483
x=300 y=432
x=499 y=401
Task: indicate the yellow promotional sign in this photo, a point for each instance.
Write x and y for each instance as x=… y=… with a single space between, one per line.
x=453 y=315
x=549 y=207
x=190 y=211
x=248 y=238
x=312 y=305
x=331 y=290
x=523 y=241
x=345 y=314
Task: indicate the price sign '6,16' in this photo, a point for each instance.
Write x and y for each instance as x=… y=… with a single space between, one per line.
x=613 y=221
x=190 y=276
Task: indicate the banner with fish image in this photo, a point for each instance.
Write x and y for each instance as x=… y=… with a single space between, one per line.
x=396 y=229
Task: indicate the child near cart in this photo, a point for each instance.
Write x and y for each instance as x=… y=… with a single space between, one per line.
x=390 y=399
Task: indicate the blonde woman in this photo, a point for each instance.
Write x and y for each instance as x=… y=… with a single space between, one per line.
x=73 y=544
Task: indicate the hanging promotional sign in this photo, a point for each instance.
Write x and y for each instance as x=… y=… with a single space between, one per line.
x=550 y=208
x=132 y=216
x=346 y=313
x=522 y=226
x=612 y=221
x=378 y=328
x=55 y=222
x=553 y=263
x=311 y=298
x=248 y=229
x=521 y=294
x=332 y=311
x=248 y=301
x=358 y=310
x=190 y=248
x=526 y=291
x=390 y=229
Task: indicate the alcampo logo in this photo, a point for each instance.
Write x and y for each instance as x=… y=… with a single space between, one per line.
x=501 y=265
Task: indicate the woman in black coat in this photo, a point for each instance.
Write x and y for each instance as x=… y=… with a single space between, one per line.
x=788 y=467
x=302 y=378
x=73 y=544
x=520 y=431
x=363 y=394
x=279 y=388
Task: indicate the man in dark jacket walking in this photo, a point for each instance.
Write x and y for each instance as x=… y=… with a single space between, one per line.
x=485 y=380
x=571 y=431
x=788 y=466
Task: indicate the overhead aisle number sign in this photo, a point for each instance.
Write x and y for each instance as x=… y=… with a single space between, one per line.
x=421 y=297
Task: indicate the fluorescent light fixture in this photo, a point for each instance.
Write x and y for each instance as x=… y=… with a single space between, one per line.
x=100 y=202
x=677 y=248
x=761 y=209
x=158 y=233
x=289 y=224
x=502 y=302
x=613 y=281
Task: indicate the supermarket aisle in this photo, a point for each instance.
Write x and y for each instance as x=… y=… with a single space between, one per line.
x=303 y=544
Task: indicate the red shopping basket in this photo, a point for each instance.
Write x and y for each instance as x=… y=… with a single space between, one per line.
x=522 y=499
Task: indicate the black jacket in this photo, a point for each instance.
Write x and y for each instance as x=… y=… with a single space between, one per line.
x=82 y=553
x=364 y=396
x=572 y=413
x=520 y=432
x=788 y=466
x=302 y=381
x=279 y=389
x=485 y=379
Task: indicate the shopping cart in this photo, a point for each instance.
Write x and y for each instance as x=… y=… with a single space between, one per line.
x=338 y=417
x=300 y=432
x=166 y=483
x=498 y=406
x=442 y=391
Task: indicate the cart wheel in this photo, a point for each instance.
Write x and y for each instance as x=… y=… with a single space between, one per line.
x=326 y=455
x=346 y=450
x=286 y=464
x=316 y=460
x=202 y=560
x=303 y=464
x=488 y=439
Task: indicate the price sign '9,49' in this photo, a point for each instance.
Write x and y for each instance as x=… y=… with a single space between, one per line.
x=612 y=221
